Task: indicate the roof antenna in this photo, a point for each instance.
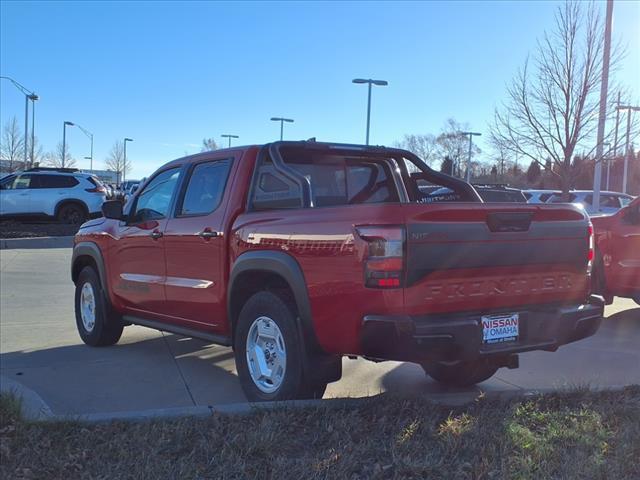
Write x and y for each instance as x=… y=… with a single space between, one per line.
x=312 y=139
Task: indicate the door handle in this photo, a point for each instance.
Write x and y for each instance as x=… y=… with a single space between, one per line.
x=156 y=234
x=207 y=233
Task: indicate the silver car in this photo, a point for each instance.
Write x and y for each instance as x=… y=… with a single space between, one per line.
x=610 y=202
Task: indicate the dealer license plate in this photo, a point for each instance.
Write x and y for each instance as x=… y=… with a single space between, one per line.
x=500 y=328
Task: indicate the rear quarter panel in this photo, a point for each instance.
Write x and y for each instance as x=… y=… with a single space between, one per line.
x=323 y=243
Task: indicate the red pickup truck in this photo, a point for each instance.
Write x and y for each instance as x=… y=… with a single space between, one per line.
x=617 y=262
x=298 y=253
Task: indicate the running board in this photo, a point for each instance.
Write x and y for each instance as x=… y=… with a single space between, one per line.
x=187 y=332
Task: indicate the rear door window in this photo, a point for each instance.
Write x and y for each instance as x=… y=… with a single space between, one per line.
x=205 y=188
x=54 y=181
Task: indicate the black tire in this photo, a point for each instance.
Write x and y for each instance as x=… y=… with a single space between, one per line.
x=107 y=328
x=72 y=213
x=293 y=385
x=461 y=373
x=598 y=280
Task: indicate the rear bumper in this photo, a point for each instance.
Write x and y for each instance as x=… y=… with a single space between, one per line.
x=459 y=337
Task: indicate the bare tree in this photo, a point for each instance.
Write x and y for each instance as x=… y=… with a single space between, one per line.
x=208 y=145
x=36 y=153
x=54 y=158
x=454 y=144
x=115 y=161
x=552 y=106
x=423 y=145
x=12 y=146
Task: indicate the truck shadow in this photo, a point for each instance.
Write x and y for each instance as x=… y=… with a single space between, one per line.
x=136 y=374
x=617 y=337
x=149 y=370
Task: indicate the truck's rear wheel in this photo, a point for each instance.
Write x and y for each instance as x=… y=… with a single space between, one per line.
x=269 y=356
x=599 y=281
x=460 y=373
x=95 y=326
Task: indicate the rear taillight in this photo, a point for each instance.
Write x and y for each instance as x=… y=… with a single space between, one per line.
x=384 y=256
x=591 y=252
x=97 y=186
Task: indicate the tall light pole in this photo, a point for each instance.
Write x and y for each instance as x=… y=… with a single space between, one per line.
x=602 y=115
x=28 y=95
x=226 y=135
x=606 y=156
x=471 y=135
x=34 y=98
x=90 y=136
x=281 y=120
x=627 y=150
x=64 y=141
x=124 y=164
x=370 y=82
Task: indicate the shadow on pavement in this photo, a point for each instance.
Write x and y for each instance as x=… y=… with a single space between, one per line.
x=610 y=357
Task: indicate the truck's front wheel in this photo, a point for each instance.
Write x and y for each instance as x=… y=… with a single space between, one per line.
x=96 y=326
x=460 y=373
x=269 y=356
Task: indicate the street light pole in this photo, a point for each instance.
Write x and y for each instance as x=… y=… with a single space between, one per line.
x=28 y=95
x=64 y=140
x=90 y=136
x=369 y=82
x=226 y=135
x=471 y=134
x=33 y=97
x=627 y=150
x=615 y=142
x=26 y=130
x=281 y=120
x=602 y=114
x=124 y=164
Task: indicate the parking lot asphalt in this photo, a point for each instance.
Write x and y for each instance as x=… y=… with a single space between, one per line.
x=147 y=369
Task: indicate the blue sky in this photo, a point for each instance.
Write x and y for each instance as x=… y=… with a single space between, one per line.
x=169 y=74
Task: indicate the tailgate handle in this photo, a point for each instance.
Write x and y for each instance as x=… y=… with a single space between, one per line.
x=509 y=221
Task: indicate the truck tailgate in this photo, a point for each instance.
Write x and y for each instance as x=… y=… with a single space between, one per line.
x=484 y=257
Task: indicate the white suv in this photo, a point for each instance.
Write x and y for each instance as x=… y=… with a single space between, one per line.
x=66 y=194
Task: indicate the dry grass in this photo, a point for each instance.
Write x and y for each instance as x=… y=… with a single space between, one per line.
x=577 y=435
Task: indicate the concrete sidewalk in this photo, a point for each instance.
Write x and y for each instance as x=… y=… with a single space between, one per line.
x=40 y=348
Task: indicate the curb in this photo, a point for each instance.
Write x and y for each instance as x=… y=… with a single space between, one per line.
x=244 y=408
x=33 y=407
x=36 y=242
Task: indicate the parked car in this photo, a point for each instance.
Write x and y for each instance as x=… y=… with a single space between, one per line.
x=126 y=185
x=617 y=262
x=297 y=253
x=65 y=194
x=539 y=196
x=489 y=193
x=610 y=202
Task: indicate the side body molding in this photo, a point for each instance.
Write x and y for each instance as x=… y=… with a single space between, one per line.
x=287 y=268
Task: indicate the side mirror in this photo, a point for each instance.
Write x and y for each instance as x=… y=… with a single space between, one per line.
x=113 y=209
